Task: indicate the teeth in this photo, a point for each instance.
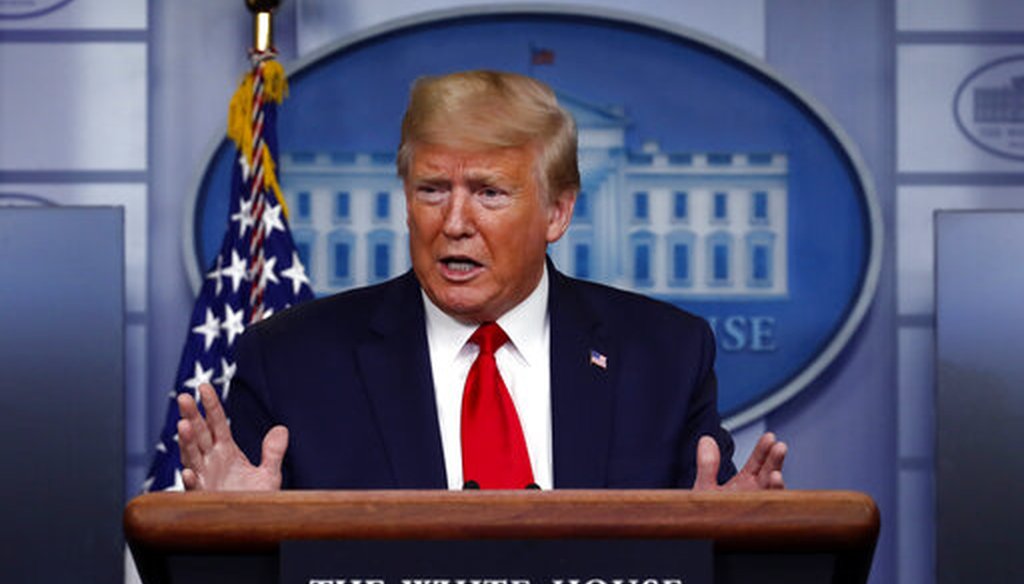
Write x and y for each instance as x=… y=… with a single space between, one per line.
x=460 y=266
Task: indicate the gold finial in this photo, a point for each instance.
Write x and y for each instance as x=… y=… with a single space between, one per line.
x=263 y=23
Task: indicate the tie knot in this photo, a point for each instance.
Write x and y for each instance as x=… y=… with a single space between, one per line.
x=489 y=337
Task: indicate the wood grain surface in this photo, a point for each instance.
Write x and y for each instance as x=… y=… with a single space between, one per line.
x=764 y=521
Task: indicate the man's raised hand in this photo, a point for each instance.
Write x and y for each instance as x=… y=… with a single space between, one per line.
x=212 y=459
x=763 y=469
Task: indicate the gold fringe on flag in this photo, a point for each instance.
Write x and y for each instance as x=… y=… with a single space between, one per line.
x=275 y=89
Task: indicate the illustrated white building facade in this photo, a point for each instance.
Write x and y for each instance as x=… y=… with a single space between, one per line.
x=671 y=224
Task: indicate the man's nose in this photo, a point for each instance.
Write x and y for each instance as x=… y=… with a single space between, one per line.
x=458 y=215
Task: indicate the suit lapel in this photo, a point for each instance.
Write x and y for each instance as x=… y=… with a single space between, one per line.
x=581 y=391
x=395 y=365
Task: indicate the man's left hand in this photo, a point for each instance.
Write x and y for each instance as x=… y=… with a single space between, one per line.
x=762 y=471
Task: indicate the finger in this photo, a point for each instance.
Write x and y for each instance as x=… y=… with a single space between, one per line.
x=759 y=456
x=773 y=464
x=189 y=479
x=708 y=459
x=216 y=419
x=191 y=457
x=200 y=434
x=775 y=481
x=275 y=444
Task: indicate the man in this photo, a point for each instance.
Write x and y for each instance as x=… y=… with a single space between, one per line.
x=483 y=366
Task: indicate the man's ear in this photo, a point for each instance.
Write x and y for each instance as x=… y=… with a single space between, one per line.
x=560 y=214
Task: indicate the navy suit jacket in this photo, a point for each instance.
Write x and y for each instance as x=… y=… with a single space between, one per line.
x=350 y=377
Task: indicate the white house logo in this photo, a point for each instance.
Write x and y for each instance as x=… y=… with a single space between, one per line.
x=29 y=8
x=989 y=107
x=707 y=183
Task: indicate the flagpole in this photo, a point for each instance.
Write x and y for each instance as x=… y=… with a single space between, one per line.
x=262 y=24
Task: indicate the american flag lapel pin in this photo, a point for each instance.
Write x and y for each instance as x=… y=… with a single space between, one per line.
x=598 y=359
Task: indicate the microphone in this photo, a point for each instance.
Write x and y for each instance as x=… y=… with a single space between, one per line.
x=470 y=485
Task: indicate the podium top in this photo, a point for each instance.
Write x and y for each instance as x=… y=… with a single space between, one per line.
x=803 y=521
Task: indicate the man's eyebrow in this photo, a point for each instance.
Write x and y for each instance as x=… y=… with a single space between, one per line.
x=484 y=175
x=433 y=178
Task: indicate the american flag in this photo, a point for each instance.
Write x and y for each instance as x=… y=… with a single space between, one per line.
x=541 y=56
x=256 y=273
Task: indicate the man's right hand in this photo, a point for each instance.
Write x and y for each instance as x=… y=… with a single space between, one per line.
x=212 y=459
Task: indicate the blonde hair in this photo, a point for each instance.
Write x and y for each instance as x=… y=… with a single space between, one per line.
x=479 y=110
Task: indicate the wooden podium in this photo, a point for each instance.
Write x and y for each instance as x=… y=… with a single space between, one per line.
x=779 y=536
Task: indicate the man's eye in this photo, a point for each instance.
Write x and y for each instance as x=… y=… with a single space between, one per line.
x=493 y=198
x=430 y=193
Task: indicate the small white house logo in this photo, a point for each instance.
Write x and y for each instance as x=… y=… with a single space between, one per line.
x=29 y=8
x=989 y=107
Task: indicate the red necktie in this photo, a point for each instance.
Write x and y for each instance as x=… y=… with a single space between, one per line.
x=494 y=454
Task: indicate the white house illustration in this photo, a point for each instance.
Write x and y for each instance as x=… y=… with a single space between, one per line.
x=671 y=224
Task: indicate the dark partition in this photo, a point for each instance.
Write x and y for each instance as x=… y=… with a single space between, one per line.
x=980 y=403
x=61 y=392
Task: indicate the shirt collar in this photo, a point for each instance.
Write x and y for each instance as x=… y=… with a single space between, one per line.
x=525 y=324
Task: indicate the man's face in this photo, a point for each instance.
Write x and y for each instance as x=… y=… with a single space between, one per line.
x=479 y=225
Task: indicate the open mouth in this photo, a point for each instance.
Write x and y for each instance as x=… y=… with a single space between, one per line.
x=460 y=264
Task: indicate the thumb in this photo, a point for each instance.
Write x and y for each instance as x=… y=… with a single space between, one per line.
x=275 y=443
x=708 y=458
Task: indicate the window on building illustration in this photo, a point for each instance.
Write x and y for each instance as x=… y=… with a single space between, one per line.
x=680 y=205
x=642 y=258
x=303 y=206
x=681 y=262
x=719 y=259
x=342 y=260
x=759 y=207
x=721 y=262
x=381 y=261
x=341 y=268
x=760 y=247
x=642 y=264
x=760 y=263
x=641 y=206
x=581 y=260
x=719 y=159
x=720 y=207
x=381 y=244
x=342 y=203
x=680 y=258
x=382 y=206
x=581 y=212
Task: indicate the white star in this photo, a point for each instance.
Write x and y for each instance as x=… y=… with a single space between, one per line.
x=244 y=163
x=267 y=313
x=236 y=271
x=296 y=273
x=227 y=374
x=272 y=219
x=179 y=485
x=244 y=217
x=215 y=275
x=199 y=377
x=232 y=323
x=268 y=274
x=209 y=329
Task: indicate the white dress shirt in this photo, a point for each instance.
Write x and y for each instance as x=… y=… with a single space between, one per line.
x=524 y=364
